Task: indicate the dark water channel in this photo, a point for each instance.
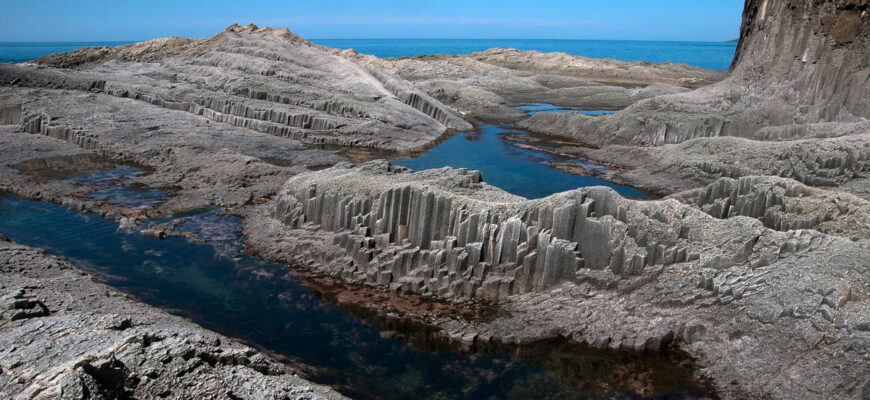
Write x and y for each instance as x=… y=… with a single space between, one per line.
x=206 y=276
x=211 y=281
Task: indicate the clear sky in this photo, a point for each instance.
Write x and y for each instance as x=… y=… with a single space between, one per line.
x=100 y=20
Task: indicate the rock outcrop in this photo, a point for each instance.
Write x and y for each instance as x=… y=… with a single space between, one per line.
x=443 y=232
x=485 y=85
x=762 y=279
x=264 y=79
x=187 y=153
x=783 y=205
x=798 y=86
x=51 y=313
x=798 y=64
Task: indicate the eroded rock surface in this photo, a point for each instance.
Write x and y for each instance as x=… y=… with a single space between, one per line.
x=52 y=312
x=791 y=72
x=763 y=280
x=485 y=85
x=268 y=80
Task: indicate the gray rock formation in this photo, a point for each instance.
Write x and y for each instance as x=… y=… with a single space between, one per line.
x=50 y=313
x=798 y=86
x=268 y=80
x=412 y=232
x=761 y=279
x=783 y=205
x=798 y=64
x=187 y=153
x=484 y=85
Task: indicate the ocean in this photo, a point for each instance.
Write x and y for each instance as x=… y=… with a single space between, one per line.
x=710 y=55
x=17 y=52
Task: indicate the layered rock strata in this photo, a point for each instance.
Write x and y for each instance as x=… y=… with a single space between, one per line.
x=201 y=162
x=485 y=85
x=268 y=80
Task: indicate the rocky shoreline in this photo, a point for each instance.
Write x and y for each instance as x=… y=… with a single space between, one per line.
x=754 y=263
x=52 y=312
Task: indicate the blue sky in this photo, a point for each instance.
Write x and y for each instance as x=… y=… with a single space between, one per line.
x=55 y=20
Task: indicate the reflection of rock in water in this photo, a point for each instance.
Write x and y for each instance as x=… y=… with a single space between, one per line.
x=111 y=186
x=65 y=167
x=588 y=372
x=217 y=230
x=592 y=372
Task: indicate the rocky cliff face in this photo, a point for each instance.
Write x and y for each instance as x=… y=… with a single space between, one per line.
x=798 y=64
x=817 y=50
x=799 y=88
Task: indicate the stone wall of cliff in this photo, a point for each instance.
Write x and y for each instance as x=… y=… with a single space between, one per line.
x=821 y=48
x=798 y=63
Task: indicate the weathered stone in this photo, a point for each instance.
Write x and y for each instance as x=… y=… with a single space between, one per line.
x=99 y=344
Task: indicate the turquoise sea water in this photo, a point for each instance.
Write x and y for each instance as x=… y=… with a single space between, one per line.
x=25 y=51
x=710 y=55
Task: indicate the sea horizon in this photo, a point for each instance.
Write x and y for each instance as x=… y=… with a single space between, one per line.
x=702 y=54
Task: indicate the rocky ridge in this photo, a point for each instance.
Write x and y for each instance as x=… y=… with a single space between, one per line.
x=268 y=80
x=761 y=279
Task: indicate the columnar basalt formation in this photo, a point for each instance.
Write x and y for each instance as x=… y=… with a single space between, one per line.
x=763 y=280
x=444 y=233
x=749 y=276
x=783 y=205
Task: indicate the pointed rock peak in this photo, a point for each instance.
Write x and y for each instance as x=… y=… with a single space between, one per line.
x=280 y=32
x=239 y=28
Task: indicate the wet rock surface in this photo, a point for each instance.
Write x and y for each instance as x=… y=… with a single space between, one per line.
x=51 y=313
